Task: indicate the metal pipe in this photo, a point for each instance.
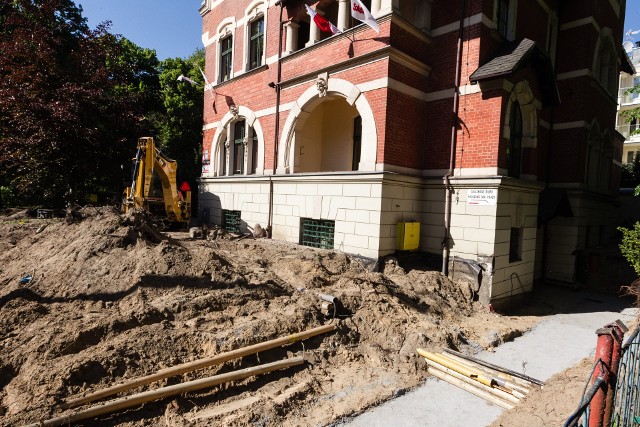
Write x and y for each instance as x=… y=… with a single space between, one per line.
x=466 y=371
x=617 y=334
x=595 y=387
x=604 y=349
x=148 y=396
x=280 y=3
x=496 y=367
x=494 y=395
x=198 y=364
x=454 y=137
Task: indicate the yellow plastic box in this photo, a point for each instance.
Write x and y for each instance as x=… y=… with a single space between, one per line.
x=408 y=236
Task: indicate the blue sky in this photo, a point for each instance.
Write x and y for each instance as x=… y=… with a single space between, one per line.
x=172 y=27
x=632 y=18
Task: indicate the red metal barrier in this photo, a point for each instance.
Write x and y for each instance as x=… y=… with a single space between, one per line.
x=617 y=333
x=604 y=350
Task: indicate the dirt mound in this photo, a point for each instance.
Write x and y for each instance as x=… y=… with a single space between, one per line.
x=89 y=303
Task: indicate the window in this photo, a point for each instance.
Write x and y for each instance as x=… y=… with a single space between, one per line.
x=256 y=43
x=226 y=51
x=304 y=32
x=238 y=148
x=514 y=152
x=417 y=12
x=317 y=233
x=630 y=156
x=515 y=245
x=254 y=153
x=503 y=17
x=231 y=220
x=357 y=143
x=606 y=67
x=633 y=126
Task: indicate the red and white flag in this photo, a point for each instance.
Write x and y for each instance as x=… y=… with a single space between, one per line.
x=321 y=22
x=361 y=13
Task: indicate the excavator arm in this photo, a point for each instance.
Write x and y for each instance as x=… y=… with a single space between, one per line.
x=149 y=158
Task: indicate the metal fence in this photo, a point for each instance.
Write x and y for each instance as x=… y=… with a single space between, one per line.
x=611 y=396
x=317 y=233
x=626 y=410
x=580 y=418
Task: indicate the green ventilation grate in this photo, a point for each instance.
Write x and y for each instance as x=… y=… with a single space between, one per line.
x=231 y=221
x=317 y=233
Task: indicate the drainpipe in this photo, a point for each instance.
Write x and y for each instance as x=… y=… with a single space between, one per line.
x=545 y=229
x=454 y=137
x=280 y=3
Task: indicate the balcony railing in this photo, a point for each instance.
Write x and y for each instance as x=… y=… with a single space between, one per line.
x=628 y=98
x=629 y=131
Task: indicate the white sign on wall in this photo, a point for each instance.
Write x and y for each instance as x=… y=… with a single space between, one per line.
x=482 y=196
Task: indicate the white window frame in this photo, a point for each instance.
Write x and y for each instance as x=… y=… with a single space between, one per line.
x=606 y=46
x=256 y=10
x=511 y=18
x=225 y=29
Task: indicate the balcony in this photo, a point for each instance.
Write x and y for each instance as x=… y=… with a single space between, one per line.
x=628 y=98
x=631 y=132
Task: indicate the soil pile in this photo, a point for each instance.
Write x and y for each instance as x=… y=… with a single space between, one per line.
x=88 y=302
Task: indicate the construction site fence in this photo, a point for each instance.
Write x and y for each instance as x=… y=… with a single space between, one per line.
x=626 y=410
x=611 y=396
x=580 y=418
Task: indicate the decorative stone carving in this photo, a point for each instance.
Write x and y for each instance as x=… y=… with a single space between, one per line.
x=234 y=110
x=321 y=85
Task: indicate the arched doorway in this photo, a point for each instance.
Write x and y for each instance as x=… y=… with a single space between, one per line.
x=331 y=127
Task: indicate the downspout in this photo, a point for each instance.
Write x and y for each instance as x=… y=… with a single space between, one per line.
x=280 y=3
x=545 y=227
x=454 y=138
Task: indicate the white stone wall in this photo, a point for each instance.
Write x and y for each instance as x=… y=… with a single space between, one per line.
x=366 y=209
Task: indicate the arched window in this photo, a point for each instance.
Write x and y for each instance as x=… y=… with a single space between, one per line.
x=226 y=56
x=606 y=66
x=255 y=18
x=514 y=153
x=239 y=144
x=236 y=145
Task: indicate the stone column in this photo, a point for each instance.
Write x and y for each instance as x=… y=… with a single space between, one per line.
x=344 y=14
x=386 y=6
x=375 y=7
x=292 y=37
x=314 y=31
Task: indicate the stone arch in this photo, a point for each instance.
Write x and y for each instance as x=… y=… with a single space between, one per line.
x=605 y=61
x=311 y=98
x=220 y=137
x=523 y=94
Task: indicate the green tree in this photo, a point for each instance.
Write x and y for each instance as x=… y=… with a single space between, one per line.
x=179 y=126
x=71 y=101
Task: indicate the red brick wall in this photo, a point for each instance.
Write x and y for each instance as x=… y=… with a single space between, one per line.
x=416 y=134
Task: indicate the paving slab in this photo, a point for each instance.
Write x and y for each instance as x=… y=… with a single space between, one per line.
x=558 y=342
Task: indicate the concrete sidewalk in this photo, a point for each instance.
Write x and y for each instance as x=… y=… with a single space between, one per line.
x=558 y=342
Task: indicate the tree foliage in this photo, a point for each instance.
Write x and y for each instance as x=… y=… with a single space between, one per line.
x=73 y=102
x=70 y=100
x=179 y=126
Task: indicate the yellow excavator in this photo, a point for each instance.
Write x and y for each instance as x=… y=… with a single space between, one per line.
x=149 y=159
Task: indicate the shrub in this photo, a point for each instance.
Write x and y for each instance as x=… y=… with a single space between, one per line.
x=630 y=245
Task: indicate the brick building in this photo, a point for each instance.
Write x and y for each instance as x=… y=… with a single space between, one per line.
x=628 y=101
x=332 y=140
